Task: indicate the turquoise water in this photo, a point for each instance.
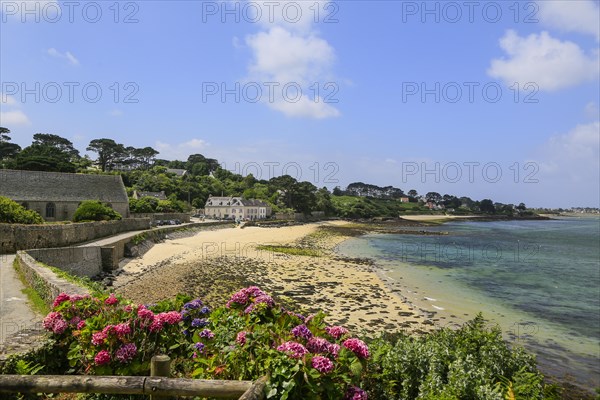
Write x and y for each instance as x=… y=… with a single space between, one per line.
x=538 y=280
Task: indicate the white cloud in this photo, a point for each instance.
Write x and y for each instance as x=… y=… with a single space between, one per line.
x=115 y=113
x=305 y=108
x=591 y=110
x=573 y=157
x=288 y=57
x=582 y=16
x=7 y=100
x=15 y=117
x=180 y=151
x=550 y=63
x=289 y=50
x=66 y=56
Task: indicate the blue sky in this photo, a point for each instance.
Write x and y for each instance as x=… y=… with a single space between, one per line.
x=486 y=99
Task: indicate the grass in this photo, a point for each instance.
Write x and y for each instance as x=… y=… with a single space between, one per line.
x=35 y=300
x=294 y=251
x=95 y=287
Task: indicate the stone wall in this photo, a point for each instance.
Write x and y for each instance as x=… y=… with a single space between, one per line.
x=43 y=280
x=65 y=210
x=80 y=261
x=183 y=217
x=15 y=237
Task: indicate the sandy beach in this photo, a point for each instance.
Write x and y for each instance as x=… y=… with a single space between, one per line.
x=212 y=264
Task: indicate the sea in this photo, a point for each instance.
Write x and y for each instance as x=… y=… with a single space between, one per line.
x=537 y=280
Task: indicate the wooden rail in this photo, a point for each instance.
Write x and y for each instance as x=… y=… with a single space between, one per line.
x=155 y=386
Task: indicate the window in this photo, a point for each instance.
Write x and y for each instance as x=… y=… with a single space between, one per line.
x=50 y=210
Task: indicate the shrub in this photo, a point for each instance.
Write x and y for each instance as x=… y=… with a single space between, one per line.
x=12 y=212
x=469 y=363
x=251 y=336
x=93 y=210
x=169 y=206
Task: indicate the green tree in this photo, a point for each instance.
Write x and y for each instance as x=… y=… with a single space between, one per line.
x=433 y=196
x=109 y=152
x=144 y=205
x=323 y=201
x=413 y=193
x=56 y=142
x=48 y=152
x=7 y=149
x=487 y=206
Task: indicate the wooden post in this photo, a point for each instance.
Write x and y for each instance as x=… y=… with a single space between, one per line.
x=160 y=366
x=256 y=391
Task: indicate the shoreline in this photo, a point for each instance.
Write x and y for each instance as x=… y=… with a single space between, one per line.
x=214 y=264
x=423 y=292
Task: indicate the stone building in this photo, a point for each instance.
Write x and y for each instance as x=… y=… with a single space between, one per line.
x=236 y=208
x=56 y=196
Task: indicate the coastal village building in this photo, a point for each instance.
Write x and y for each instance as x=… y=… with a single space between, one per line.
x=56 y=196
x=157 y=195
x=236 y=208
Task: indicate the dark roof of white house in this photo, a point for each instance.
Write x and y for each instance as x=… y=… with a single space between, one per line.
x=177 y=171
x=58 y=186
x=254 y=202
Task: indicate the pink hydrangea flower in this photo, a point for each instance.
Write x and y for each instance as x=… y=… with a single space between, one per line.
x=77 y=297
x=357 y=346
x=241 y=338
x=60 y=326
x=156 y=325
x=61 y=298
x=244 y=296
x=108 y=329
x=171 y=317
x=293 y=349
x=336 y=331
x=50 y=320
x=111 y=300
x=334 y=349
x=81 y=325
x=318 y=345
x=144 y=313
x=128 y=308
x=322 y=364
x=102 y=358
x=355 y=393
x=98 y=338
x=122 y=329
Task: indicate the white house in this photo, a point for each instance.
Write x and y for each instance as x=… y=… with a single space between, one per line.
x=236 y=208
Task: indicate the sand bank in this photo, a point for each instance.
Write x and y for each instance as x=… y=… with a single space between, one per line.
x=213 y=264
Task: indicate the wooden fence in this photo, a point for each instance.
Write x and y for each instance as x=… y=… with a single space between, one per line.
x=158 y=385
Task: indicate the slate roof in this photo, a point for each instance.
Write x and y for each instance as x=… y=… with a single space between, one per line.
x=254 y=202
x=177 y=171
x=57 y=186
x=233 y=201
